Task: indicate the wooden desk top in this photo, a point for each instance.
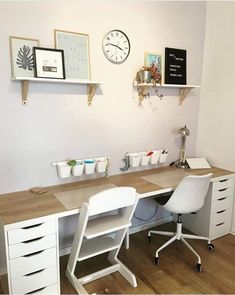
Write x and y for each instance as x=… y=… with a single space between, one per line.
x=24 y=205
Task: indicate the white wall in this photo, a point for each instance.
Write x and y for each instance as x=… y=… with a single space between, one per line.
x=57 y=124
x=216 y=135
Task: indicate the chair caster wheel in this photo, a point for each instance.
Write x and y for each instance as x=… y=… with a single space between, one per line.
x=198 y=267
x=211 y=247
x=157 y=260
x=148 y=239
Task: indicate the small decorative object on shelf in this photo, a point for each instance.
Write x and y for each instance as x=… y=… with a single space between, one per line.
x=76 y=53
x=22 y=61
x=152 y=62
x=175 y=66
x=49 y=63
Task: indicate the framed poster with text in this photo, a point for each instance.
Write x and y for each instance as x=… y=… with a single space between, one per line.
x=175 y=66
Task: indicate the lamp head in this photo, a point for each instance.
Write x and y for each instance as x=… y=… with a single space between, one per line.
x=184 y=131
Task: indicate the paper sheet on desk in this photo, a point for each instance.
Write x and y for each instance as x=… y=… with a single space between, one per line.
x=74 y=199
x=167 y=179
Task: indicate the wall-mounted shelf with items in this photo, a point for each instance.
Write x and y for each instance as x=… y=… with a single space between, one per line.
x=142 y=89
x=25 y=81
x=136 y=159
x=82 y=167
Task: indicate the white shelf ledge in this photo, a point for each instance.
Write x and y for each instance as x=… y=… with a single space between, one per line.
x=91 y=85
x=184 y=89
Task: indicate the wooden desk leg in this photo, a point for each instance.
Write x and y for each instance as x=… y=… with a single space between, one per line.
x=127 y=240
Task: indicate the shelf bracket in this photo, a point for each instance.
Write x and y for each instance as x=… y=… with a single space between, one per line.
x=142 y=93
x=183 y=94
x=91 y=88
x=24 y=91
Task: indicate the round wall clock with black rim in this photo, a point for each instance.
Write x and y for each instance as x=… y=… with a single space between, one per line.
x=116 y=46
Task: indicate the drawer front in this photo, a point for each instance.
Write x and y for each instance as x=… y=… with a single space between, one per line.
x=219 y=230
x=222 y=204
x=224 y=183
x=34 y=281
x=31 y=232
x=224 y=192
x=31 y=246
x=223 y=216
x=52 y=289
x=32 y=262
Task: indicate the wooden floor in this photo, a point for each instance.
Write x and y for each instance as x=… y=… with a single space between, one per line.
x=175 y=274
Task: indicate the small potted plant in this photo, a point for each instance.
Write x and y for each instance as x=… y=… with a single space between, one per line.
x=77 y=167
x=155 y=75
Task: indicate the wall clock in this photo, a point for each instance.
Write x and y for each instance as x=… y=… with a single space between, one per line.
x=116 y=46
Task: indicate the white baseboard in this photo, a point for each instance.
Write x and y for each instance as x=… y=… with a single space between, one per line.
x=132 y=230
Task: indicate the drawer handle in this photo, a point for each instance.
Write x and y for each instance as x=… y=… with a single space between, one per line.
x=35 y=272
x=35 y=291
x=220 y=224
x=222 y=189
x=33 y=240
x=223 y=180
x=220 y=211
x=221 y=199
x=32 y=254
x=32 y=226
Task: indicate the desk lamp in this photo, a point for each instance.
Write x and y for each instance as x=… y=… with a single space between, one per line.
x=184 y=132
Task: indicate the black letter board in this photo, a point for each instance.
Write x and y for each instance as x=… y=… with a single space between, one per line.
x=175 y=66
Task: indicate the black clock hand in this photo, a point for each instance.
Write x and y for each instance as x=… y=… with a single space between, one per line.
x=116 y=46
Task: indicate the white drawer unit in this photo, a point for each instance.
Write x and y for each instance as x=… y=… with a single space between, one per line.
x=33 y=258
x=214 y=219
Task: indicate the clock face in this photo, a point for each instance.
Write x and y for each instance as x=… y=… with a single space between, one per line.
x=116 y=46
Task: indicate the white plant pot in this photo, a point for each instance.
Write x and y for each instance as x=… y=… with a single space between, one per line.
x=101 y=164
x=134 y=159
x=77 y=170
x=163 y=158
x=144 y=159
x=155 y=157
x=89 y=167
x=63 y=170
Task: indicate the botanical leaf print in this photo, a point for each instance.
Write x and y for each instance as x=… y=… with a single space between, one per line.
x=25 y=58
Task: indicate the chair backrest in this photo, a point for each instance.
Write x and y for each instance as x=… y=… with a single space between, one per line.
x=189 y=195
x=111 y=199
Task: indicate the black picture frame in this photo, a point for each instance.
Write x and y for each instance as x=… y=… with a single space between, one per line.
x=49 y=63
x=175 y=66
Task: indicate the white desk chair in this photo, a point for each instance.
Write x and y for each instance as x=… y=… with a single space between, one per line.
x=188 y=197
x=92 y=236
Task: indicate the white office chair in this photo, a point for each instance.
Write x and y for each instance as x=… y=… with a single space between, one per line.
x=188 y=197
x=102 y=233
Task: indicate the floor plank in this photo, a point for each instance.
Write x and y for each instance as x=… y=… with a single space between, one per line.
x=175 y=273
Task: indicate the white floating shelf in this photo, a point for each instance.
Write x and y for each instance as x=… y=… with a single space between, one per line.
x=184 y=89
x=91 y=85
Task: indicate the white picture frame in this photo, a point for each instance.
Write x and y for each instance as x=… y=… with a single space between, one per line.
x=21 y=54
x=76 y=53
